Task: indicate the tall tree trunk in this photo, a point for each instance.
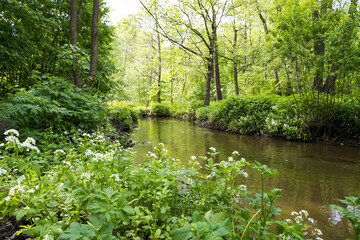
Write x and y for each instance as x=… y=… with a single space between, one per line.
x=330 y=83
x=94 y=42
x=319 y=48
x=74 y=21
x=209 y=77
x=236 y=84
x=216 y=59
x=159 y=70
x=277 y=82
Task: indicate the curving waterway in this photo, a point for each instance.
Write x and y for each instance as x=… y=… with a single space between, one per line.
x=311 y=176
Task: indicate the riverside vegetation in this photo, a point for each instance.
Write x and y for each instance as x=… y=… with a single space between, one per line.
x=76 y=181
x=297 y=117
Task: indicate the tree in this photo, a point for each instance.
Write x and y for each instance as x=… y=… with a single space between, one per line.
x=193 y=25
x=94 y=42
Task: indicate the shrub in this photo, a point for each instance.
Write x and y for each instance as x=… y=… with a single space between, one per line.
x=160 y=110
x=54 y=103
x=123 y=118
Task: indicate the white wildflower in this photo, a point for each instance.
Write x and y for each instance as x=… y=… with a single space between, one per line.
x=57 y=152
x=162 y=145
x=89 y=153
x=193 y=158
x=152 y=155
x=3 y=171
x=243 y=187
x=294 y=213
x=288 y=221
x=86 y=135
x=212 y=149
x=318 y=232
x=299 y=219
x=67 y=163
x=31 y=190
x=304 y=212
x=245 y=174
x=7 y=198
x=235 y=153
x=11 y=132
x=231 y=159
x=30 y=140
x=12 y=139
x=27 y=144
x=116 y=176
x=85 y=176
x=311 y=220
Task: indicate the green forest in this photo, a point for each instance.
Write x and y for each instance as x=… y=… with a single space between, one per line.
x=73 y=87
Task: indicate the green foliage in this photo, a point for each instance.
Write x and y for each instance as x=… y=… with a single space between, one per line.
x=123 y=118
x=299 y=117
x=213 y=226
x=93 y=190
x=160 y=110
x=34 y=36
x=54 y=103
x=351 y=212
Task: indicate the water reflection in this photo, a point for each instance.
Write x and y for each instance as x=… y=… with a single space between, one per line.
x=312 y=176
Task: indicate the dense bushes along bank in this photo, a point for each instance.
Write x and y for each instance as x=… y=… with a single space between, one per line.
x=300 y=117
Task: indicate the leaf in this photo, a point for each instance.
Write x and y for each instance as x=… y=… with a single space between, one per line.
x=183 y=233
x=223 y=228
x=196 y=217
x=78 y=231
x=200 y=228
x=215 y=218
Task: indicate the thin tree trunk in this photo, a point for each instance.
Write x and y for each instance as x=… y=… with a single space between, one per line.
x=159 y=70
x=74 y=16
x=216 y=60
x=236 y=84
x=319 y=48
x=209 y=76
x=94 y=42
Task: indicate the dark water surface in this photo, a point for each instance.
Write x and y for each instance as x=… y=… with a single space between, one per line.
x=311 y=176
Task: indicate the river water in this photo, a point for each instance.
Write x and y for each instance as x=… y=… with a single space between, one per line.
x=311 y=176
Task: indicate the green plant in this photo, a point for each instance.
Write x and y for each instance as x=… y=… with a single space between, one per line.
x=160 y=110
x=54 y=103
x=351 y=212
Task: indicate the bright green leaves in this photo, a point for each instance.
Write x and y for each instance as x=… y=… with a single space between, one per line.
x=351 y=212
x=213 y=226
x=96 y=229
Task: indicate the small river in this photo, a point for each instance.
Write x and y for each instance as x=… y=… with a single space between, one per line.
x=311 y=176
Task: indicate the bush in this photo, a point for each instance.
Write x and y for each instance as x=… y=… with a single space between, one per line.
x=160 y=110
x=123 y=118
x=54 y=103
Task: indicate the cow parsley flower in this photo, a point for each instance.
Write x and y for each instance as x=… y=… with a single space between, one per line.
x=235 y=153
x=3 y=171
x=59 y=151
x=11 y=132
x=12 y=139
x=212 y=149
x=116 y=176
x=89 y=153
x=85 y=176
x=193 y=158
x=243 y=187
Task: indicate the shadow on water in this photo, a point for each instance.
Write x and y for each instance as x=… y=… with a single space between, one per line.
x=311 y=176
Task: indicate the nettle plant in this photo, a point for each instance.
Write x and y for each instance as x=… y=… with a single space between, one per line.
x=93 y=190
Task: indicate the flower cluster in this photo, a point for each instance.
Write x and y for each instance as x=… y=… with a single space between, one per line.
x=302 y=217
